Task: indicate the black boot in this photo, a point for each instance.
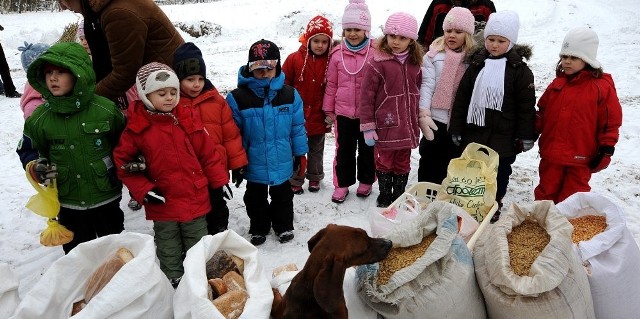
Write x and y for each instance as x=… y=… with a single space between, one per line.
x=399 y=185
x=385 y=184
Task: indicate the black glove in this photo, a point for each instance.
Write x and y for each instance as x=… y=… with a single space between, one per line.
x=237 y=175
x=226 y=192
x=137 y=165
x=43 y=172
x=154 y=196
x=601 y=160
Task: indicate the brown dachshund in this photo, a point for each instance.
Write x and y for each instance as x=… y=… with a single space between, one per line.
x=316 y=291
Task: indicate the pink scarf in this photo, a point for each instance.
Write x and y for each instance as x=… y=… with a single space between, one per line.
x=449 y=79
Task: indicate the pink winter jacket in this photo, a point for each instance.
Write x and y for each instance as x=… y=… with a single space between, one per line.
x=30 y=100
x=389 y=101
x=342 y=94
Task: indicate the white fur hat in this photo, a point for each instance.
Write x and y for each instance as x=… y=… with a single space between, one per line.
x=155 y=76
x=582 y=42
x=504 y=23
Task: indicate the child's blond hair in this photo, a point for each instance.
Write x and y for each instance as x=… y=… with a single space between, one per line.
x=439 y=44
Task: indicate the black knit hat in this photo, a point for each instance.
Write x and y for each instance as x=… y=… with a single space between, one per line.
x=187 y=61
x=264 y=54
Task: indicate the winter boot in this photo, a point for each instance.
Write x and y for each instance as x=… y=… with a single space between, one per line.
x=385 y=184
x=399 y=185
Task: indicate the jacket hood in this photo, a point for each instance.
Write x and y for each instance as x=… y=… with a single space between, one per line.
x=73 y=57
x=260 y=86
x=478 y=54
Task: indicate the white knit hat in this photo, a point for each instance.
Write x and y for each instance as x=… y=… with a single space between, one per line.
x=402 y=24
x=505 y=24
x=155 y=76
x=582 y=42
x=356 y=15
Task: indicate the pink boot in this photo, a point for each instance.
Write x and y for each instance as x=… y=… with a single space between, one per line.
x=340 y=194
x=364 y=190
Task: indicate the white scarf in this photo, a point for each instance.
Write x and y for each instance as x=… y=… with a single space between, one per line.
x=488 y=90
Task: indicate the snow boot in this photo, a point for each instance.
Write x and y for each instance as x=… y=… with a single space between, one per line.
x=385 y=184
x=399 y=185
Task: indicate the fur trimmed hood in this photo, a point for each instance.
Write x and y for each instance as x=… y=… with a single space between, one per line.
x=515 y=56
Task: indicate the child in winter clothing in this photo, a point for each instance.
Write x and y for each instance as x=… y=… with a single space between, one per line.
x=432 y=23
x=75 y=132
x=578 y=118
x=443 y=68
x=389 y=104
x=306 y=71
x=31 y=98
x=181 y=161
x=81 y=38
x=495 y=102
x=271 y=120
x=342 y=99
x=202 y=98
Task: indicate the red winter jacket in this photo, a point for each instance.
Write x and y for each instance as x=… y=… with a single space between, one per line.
x=576 y=116
x=181 y=163
x=215 y=114
x=309 y=78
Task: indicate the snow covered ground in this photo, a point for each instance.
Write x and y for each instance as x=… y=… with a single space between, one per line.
x=543 y=25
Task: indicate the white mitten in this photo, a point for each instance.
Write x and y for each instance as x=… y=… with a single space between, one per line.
x=427 y=125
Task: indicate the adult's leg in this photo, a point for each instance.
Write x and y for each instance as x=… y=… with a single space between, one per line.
x=5 y=73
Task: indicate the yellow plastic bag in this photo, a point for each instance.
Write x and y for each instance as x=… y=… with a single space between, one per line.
x=46 y=204
x=471 y=180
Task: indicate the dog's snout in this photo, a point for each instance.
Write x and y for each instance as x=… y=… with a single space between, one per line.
x=387 y=244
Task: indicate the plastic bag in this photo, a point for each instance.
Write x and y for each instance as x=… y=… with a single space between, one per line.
x=55 y=234
x=383 y=220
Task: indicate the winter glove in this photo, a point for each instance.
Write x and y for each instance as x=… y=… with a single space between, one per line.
x=137 y=165
x=370 y=137
x=237 y=175
x=328 y=120
x=524 y=145
x=43 y=172
x=154 y=196
x=226 y=192
x=299 y=165
x=456 y=139
x=602 y=159
x=427 y=125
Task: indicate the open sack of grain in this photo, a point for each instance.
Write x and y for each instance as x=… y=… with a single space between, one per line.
x=611 y=258
x=192 y=297
x=428 y=274
x=137 y=288
x=526 y=266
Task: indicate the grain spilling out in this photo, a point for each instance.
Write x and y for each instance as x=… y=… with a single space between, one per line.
x=401 y=257
x=587 y=226
x=526 y=242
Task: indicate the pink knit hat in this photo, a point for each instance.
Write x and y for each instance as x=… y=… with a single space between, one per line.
x=403 y=24
x=459 y=18
x=356 y=16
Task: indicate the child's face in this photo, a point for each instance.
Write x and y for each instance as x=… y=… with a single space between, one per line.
x=454 y=39
x=163 y=100
x=319 y=44
x=354 y=36
x=264 y=73
x=59 y=81
x=192 y=85
x=571 y=64
x=497 y=45
x=84 y=43
x=398 y=43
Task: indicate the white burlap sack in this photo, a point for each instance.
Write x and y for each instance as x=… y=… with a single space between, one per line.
x=138 y=290
x=9 y=298
x=191 y=299
x=611 y=258
x=440 y=284
x=557 y=287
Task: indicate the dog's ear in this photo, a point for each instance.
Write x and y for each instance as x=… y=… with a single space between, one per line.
x=316 y=238
x=327 y=286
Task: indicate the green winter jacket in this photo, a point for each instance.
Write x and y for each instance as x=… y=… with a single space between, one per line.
x=77 y=132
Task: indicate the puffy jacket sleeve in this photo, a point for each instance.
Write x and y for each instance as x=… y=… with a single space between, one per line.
x=137 y=183
x=289 y=69
x=298 y=132
x=542 y=105
x=609 y=113
x=231 y=139
x=329 y=101
x=525 y=103
x=428 y=86
x=371 y=83
x=210 y=160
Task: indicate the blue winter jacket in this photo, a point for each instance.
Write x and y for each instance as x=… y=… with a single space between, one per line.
x=270 y=117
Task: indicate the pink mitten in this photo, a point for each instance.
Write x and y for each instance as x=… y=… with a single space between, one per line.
x=427 y=125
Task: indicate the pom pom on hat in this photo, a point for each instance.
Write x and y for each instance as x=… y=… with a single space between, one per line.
x=155 y=76
x=187 y=61
x=30 y=52
x=582 y=42
x=356 y=16
x=403 y=24
x=264 y=54
x=459 y=18
x=505 y=24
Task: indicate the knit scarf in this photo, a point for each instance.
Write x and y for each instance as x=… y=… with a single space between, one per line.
x=447 y=85
x=488 y=91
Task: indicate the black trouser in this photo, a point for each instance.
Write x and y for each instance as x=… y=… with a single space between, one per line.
x=262 y=214
x=218 y=217
x=5 y=73
x=435 y=155
x=504 y=172
x=348 y=140
x=92 y=223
